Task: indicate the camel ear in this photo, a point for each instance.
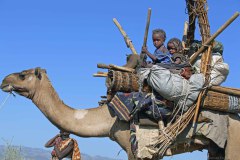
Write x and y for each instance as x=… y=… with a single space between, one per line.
x=37 y=72
x=44 y=70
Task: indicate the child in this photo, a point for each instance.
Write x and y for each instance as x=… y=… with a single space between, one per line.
x=175 y=48
x=161 y=54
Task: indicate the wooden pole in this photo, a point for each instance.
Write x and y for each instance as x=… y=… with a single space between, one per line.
x=191 y=20
x=104 y=66
x=184 y=38
x=220 y=30
x=121 y=68
x=100 y=75
x=127 y=40
x=206 y=75
x=226 y=90
x=147 y=27
x=206 y=56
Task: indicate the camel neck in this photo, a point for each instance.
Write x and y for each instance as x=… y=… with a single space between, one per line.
x=88 y=121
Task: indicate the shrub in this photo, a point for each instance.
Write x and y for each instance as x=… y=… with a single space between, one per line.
x=12 y=152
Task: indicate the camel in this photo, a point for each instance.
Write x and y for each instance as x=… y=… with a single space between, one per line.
x=35 y=85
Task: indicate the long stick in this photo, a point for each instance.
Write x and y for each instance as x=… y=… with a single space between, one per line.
x=104 y=66
x=184 y=38
x=226 y=90
x=206 y=74
x=112 y=66
x=204 y=46
x=147 y=27
x=100 y=74
x=127 y=40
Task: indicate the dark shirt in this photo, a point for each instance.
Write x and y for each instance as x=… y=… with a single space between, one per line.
x=180 y=56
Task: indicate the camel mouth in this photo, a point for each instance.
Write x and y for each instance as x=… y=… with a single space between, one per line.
x=7 y=88
x=11 y=88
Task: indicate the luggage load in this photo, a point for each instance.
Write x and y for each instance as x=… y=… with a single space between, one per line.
x=120 y=81
x=187 y=91
x=173 y=87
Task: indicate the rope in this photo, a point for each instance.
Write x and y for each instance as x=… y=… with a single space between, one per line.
x=5 y=100
x=170 y=133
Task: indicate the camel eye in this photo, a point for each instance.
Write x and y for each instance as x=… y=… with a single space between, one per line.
x=21 y=76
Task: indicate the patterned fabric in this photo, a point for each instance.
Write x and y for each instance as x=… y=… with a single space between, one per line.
x=126 y=105
x=234 y=103
x=76 y=152
x=122 y=105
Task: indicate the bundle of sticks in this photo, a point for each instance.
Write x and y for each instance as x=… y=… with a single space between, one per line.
x=169 y=134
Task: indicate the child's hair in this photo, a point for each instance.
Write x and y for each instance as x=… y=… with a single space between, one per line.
x=177 y=44
x=161 y=32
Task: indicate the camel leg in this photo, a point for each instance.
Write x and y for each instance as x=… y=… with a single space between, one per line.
x=125 y=144
x=214 y=152
x=122 y=137
x=233 y=140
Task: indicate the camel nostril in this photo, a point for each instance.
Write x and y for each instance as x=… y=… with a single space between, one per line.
x=2 y=86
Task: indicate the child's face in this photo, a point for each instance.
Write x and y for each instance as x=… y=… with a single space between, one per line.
x=157 y=40
x=171 y=48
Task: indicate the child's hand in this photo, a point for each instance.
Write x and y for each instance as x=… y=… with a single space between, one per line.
x=144 y=49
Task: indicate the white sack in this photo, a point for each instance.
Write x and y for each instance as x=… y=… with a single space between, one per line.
x=219 y=71
x=171 y=86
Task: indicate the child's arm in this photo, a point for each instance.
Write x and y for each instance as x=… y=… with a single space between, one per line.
x=144 y=50
x=51 y=142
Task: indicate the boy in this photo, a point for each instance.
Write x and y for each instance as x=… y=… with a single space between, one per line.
x=161 y=54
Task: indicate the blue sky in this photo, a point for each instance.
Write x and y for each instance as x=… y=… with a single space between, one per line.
x=69 y=38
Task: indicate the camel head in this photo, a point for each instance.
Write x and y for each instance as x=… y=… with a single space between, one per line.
x=24 y=83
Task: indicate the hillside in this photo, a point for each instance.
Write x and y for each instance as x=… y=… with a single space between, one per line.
x=42 y=154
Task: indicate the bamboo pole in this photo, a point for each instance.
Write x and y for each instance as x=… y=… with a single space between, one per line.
x=191 y=20
x=127 y=40
x=200 y=96
x=219 y=31
x=184 y=38
x=226 y=90
x=100 y=74
x=112 y=66
x=147 y=27
x=206 y=56
x=104 y=66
